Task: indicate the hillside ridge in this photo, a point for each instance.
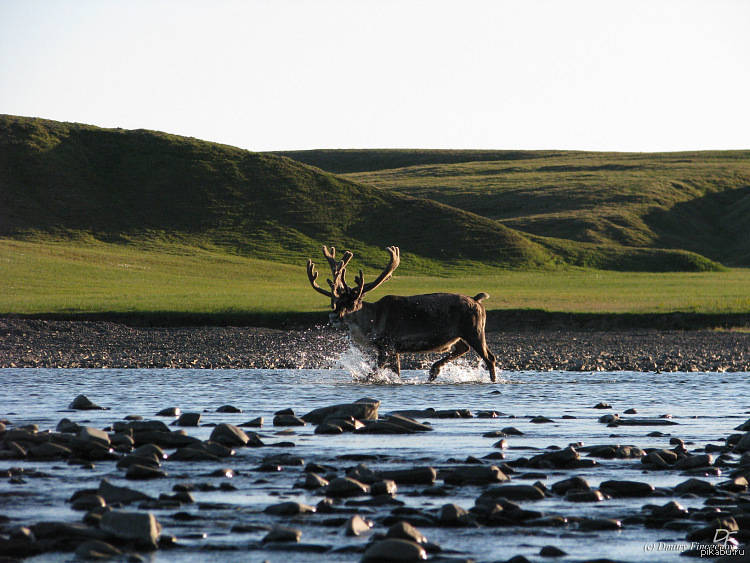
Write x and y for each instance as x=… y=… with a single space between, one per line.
x=136 y=187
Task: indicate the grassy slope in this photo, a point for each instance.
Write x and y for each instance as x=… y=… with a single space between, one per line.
x=182 y=284
x=697 y=201
x=139 y=187
x=136 y=186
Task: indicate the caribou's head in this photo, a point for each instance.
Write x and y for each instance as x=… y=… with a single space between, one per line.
x=344 y=299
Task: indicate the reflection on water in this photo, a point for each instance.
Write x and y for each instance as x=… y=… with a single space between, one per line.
x=706 y=406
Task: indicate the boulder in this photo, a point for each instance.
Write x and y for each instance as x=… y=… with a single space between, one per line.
x=695 y=487
x=363 y=409
x=596 y=524
x=356 y=525
x=94 y=435
x=395 y=550
x=620 y=489
x=475 y=475
x=694 y=461
x=114 y=494
x=454 y=515
x=189 y=419
x=140 y=528
x=288 y=509
x=514 y=492
x=287 y=420
x=169 y=411
x=82 y=403
x=405 y=531
x=572 y=484
x=414 y=476
x=229 y=435
x=592 y=495
x=282 y=534
x=143 y=472
x=97 y=549
x=346 y=487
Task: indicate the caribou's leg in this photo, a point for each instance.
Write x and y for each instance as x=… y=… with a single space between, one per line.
x=389 y=360
x=459 y=349
x=479 y=345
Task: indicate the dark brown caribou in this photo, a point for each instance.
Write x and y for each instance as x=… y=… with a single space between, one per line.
x=435 y=322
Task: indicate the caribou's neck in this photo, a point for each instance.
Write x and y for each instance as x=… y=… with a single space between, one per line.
x=361 y=324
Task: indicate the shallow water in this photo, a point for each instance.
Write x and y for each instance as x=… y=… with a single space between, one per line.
x=706 y=406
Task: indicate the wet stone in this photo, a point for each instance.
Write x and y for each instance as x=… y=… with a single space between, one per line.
x=169 y=411
x=188 y=419
x=229 y=409
x=356 y=525
x=288 y=509
x=229 y=435
x=415 y=476
x=572 y=484
x=96 y=549
x=346 y=487
x=454 y=515
x=282 y=534
x=396 y=550
x=362 y=409
x=138 y=527
x=695 y=487
x=88 y=502
x=514 y=492
x=600 y=524
x=593 y=495
x=287 y=420
x=142 y=472
x=620 y=489
x=328 y=428
x=114 y=494
x=254 y=423
x=551 y=551
x=82 y=403
x=475 y=475
x=695 y=461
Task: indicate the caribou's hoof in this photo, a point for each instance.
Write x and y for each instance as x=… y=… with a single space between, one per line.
x=433 y=377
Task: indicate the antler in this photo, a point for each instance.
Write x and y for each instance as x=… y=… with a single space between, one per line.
x=338 y=272
x=385 y=274
x=312 y=275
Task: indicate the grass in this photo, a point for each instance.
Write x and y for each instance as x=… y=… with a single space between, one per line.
x=67 y=279
x=153 y=228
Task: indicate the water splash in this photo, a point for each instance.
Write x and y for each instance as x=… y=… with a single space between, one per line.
x=464 y=371
x=362 y=368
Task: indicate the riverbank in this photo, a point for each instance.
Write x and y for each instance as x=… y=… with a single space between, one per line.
x=28 y=343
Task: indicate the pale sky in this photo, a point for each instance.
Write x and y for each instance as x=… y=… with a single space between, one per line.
x=625 y=75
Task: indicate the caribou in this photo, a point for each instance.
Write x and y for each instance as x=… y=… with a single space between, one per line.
x=394 y=325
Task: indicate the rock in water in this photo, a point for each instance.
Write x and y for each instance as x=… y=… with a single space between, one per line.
x=82 y=403
x=141 y=528
x=229 y=435
x=189 y=419
x=356 y=525
x=394 y=550
x=360 y=410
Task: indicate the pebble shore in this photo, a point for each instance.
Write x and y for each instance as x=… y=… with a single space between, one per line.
x=28 y=343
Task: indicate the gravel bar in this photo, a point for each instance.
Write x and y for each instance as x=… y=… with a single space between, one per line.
x=30 y=343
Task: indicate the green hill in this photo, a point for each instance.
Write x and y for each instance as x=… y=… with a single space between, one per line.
x=144 y=188
x=693 y=201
